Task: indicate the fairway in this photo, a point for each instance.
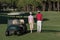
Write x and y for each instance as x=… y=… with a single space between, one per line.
x=50 y=29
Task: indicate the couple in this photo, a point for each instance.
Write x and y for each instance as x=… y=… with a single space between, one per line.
x=39 y=21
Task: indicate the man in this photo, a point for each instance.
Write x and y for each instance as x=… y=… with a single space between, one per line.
x=31 y=21
x=39 y=21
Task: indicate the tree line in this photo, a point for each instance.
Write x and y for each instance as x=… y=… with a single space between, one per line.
x=30 y=5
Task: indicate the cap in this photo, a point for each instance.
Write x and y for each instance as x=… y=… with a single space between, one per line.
x=38 y=11
x=30 y=12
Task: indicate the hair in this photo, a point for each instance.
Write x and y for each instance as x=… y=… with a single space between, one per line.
x=21 y=21
x=15 y=21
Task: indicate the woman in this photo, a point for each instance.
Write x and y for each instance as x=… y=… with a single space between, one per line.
x=31 y=21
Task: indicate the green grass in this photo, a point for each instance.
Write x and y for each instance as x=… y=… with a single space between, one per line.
x=50 y=29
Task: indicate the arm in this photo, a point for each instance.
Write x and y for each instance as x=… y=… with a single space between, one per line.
x=42 y=17
x=36 y=16
x=28 y=19
x=33 y=20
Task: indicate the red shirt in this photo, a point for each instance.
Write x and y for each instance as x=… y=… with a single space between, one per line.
x=39 y=16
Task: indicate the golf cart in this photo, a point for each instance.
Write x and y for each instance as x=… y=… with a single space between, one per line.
x=16 y=26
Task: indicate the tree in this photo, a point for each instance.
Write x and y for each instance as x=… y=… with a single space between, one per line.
x=58 y=5
x=44 y=5
x=21 y=4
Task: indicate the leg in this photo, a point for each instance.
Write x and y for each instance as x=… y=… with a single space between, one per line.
x=40 y=26
x=37 y=26
x=31 y=28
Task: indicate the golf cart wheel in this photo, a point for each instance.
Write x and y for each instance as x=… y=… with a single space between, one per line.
x=8 y=34
x=18 y=33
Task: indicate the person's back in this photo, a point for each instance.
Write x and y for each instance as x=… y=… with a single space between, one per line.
x=39 y=21
x=30 y=18
x=39 y=16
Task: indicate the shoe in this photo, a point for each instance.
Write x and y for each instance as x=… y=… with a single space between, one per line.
x=31 y=31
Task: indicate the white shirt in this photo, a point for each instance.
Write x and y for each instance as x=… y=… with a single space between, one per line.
x=30 y=18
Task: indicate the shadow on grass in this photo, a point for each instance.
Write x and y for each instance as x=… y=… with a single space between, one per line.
x=50 y=30
x=45 y=19
x=32 y=31
x=43 y=31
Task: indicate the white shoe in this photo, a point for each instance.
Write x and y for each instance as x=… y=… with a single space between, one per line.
x=31 y=31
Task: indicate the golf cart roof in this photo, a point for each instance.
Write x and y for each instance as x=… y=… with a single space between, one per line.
x=15 y=13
